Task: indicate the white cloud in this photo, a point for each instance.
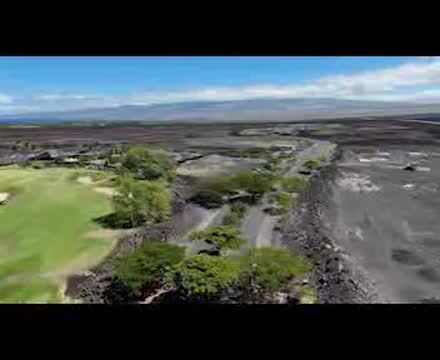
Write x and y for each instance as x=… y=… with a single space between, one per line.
x=385 y=84
x=418 y=80
x=5 y=99
x=57 y=97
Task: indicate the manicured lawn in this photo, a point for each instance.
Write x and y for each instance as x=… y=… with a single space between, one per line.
x=47 y=231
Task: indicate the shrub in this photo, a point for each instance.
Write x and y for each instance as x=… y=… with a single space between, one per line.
x=235 y=214
x=137 y=202
x=220 y=237
x=283 y=200
x=204 y=275
x=312 y=164
x=146 y=267
x=145 y=164
x=221 y=185
x=254 y=183
x=268 y=270
x=37 y=166
x=213 y=190
x=208 y=199
x=294 y=183
x=231 y=219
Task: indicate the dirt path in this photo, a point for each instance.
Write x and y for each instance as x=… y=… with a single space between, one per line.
x=258 y=226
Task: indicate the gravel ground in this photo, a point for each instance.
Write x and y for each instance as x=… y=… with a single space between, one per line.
x=391 y=227
x=337 y=276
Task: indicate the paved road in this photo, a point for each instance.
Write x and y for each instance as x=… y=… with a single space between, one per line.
x=258 y=226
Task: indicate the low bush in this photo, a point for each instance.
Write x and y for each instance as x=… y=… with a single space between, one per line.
x=138 y=203
x=294 y=183
x=256 y=184
x=283 y=201
x=231 y=219
x=265 y=271
x=220 y=237
x=235 y=214
x=146 y=267
x=312 y=164
x=38 y=166
x=204 y=276
x=146 y=164
x=208 y=199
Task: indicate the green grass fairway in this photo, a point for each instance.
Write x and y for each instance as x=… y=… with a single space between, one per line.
x=47 y=231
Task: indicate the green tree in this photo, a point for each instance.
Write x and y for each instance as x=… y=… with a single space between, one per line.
x=146 y=267
x=268 y=270
x=220 y=237
x=312 y=164
x=139 y=202
x=145 y=164
x=284 y=200
x=235 y=214
x=254 y=183
x=204 y=275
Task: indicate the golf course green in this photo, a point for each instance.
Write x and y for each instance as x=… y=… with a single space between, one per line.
x=47 y=231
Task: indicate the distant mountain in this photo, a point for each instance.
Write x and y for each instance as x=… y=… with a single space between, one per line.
x=259 y=109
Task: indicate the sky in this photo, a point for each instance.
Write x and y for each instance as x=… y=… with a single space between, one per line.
x=40 y=84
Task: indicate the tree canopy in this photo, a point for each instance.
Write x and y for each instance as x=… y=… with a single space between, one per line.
x=139 y=202
x=146 y=164
x=147 y=265
x=312 y=164
x=204 y=275
x=268 y=270
x=220 y=237
x=254 y=183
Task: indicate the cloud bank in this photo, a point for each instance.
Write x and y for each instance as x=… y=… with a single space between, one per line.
x=417 y=81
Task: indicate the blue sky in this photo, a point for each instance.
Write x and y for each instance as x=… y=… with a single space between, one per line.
x=66 y=83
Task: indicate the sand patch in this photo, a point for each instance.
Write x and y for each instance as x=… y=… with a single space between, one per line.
x=86 y=180
x=106 y=191
x=4 y=197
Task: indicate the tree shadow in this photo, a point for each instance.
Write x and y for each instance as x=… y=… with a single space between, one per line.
x=119 y=293
x=111 y=221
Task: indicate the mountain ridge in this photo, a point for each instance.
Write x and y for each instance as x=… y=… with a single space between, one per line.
x=250 y=109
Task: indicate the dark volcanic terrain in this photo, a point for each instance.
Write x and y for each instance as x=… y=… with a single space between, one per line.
x=369 y=225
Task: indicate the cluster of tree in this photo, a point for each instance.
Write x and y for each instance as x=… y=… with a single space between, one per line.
x=212 y=192
x=258 y=273
x=142 y=194
x=144 y=198
x=220 y=237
